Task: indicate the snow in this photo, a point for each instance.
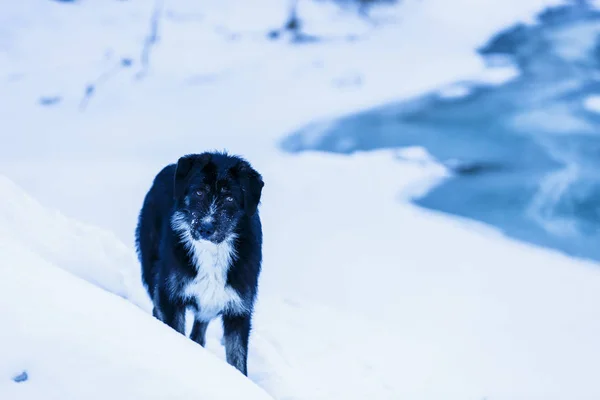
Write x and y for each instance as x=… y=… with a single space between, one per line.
x=362 y=294
x=76 y=341
x=87 y=252
x=592 y=104
x=455 y=91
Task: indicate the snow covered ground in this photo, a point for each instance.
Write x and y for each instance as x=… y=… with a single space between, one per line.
x=67 y=339
x=363 y=295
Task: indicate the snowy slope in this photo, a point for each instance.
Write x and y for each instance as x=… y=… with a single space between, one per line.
x=75 y=340
x=407 y=303
x=66 y=243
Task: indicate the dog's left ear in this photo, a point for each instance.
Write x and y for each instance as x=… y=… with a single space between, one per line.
x=252 y=184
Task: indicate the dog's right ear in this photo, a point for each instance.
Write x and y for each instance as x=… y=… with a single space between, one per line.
x=184 y=167
x=252 y=185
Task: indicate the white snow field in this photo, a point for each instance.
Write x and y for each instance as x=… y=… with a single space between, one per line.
x=362 y=294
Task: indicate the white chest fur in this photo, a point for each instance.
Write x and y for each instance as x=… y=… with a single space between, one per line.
x=209 y=288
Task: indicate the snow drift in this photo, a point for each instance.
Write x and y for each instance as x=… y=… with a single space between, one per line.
x=74 y=340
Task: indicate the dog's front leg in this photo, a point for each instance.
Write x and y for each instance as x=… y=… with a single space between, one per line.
x=175 y=318
x=236 y=330
x=198 y=333
x=171 y=313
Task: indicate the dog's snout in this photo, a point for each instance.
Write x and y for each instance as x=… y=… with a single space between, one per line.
x=206 y=229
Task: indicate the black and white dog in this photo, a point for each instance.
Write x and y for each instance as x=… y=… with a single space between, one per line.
x=199 y=240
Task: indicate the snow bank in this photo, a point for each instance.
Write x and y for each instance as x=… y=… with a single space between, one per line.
x=77 y=341
x=88 y=252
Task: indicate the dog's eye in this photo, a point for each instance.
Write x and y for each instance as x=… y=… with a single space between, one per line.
x=229 y=199
x=199 y=192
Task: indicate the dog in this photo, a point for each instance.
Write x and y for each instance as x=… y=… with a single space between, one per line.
x=199 y=242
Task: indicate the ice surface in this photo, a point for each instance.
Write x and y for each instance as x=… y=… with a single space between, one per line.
x=525 y=134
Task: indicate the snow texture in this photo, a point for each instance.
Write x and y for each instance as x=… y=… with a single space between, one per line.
x=592 y=103
x=65 y=338
x=362 y=295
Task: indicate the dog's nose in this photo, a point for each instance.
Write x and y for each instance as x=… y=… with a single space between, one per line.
x=206 y=229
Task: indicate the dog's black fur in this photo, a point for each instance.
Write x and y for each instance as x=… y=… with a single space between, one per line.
x=199 y=219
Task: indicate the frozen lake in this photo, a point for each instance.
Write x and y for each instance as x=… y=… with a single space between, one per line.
x=525 y=152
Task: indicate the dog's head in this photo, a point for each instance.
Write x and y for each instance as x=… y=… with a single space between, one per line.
x=213 y=192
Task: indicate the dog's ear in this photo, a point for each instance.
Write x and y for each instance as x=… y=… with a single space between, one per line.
x=184 y=167
x=252 y=191
x=252 y=184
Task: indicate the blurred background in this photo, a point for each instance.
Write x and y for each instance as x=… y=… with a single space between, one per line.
x=504 y=96
x=523 y=151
